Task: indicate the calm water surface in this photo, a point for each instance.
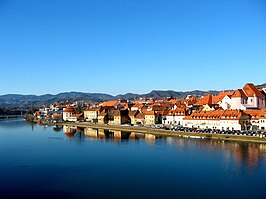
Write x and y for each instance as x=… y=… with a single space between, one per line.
x=39 y=162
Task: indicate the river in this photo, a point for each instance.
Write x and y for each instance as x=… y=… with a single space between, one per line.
x=70 y=162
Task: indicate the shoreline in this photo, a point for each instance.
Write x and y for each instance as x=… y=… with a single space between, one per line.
x=163 y=132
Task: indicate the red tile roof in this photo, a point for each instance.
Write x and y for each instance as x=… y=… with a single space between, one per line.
x=191 y=100
x=239 y=93
x=55 y=115
x=216 y=115
x=251 y=90
x=110 y=103
x=149 y=112
x=69 y=109
x=255 y=114
x=205 y=100
x=220 y=96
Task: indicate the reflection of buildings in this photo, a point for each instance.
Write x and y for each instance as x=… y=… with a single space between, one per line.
x=262 y=148
x=248 y=154
x=57 y=128
x=107 y=134
x=139 y=136
x=89 y=132
x=74 y=132
x=132 y=136
x=69 y=131
x=117 y=134
x=150 y=138
x=101 y=133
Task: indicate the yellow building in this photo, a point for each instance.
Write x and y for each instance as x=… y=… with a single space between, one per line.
x=117 y=117
x=91 y=114
x=102 y=117
x=150 y=118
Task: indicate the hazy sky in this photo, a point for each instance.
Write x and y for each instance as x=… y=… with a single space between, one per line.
x=119 y=46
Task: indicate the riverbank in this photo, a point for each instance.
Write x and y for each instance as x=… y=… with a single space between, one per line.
x=162 y=132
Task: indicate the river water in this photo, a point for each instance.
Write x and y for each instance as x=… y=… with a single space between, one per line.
x=47 y=162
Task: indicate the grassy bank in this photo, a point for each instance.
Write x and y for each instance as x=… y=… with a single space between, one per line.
x=163 y=132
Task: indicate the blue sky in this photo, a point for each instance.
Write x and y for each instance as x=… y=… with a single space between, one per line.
x=122 y=46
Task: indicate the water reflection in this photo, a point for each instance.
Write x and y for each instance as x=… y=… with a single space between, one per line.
x=81 y=160
x=74 y=132
x=243 y=153
x=116 y=135
x=113 y=134
x=57 y=128
x=70 y=131
x=248 y=154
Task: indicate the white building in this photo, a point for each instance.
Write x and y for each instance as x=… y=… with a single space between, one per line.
x=69 y=114
x=248 y=98
x=226 y=102
x=174 y=117
x=219 y=119
x=262 y=123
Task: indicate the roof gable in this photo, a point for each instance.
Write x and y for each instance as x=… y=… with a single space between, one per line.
x=239 y=93
x=251 y=90
x=205 y=100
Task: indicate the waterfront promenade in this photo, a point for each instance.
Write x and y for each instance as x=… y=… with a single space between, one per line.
x=163 y=132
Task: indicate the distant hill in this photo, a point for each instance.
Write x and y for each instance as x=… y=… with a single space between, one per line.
x=163 y=94
x=261 y=86
x=15 y=100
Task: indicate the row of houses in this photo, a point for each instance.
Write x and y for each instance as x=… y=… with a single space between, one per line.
x=217 y=119
x=242 y=109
